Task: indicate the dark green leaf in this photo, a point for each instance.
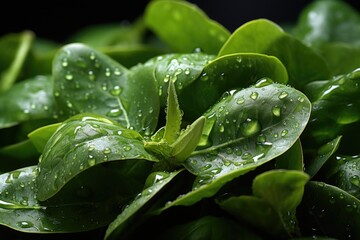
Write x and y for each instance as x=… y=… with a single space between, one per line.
x=263 y=36
x=250 y=127
x=161 y=179
x=86 y=80
x=292 y=159
x=14 y=49
x=335 y=104
x=329 y=21
x=80 y=143
x=41 y=136
x=84 y=205
x=30 y=99
x=255 y=211
x=173 y=22
x=225 y=73
x=330 y=211
x=323 y=154
x=209 y=227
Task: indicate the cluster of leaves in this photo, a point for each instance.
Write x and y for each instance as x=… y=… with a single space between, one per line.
x=169 y=129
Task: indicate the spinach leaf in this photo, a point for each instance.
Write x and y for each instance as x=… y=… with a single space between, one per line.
x=335 y=104
x=86 y=80
x=328 y=21
x=246 y=129
x=321 y=203
x=173 y=22
x=292 y=159
x=277 y=193
x=80 y=143
x=34 y=101
x=264 y=36
x=14 y=50
x=158 y=181
x=225 y=73
x=83 y=205
x=209 y=227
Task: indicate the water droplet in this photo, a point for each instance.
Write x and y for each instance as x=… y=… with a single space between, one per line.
x=239 y=59
x=92 y=56
x=107 y=72
x=221 y=128
x=355 y=180
x=229 y=150
x=166 y=78
x=284 y=132
x=198 y=50
x=283 y=95
x=91 y=160
x=263 y=82
x=107 y=151
x=127 y=148
x=117 y=72
x=24 y=201
x=25 y=224
x=204 y=77
x=69 y=76
x=261 y=138
x=119 y=132
x=114 y=112
x=276 y=111
x=250 y=127
x=246 y=155
x=160 y=91
x=301 y=99
x=240 y=100
x=116 y=90
x=206 y=167
x=64 y=62
x=69 y=104
x=91 y=75
x=187 y=71
x=254 y=95
x=104 y=86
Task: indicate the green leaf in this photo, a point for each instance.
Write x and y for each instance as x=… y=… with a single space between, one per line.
x=14 y=49
x=255 y=211
x=173 y=116
x=188 y=140
x=335 y=104
x=264 y=36
x=323 y=204
x=80 y=143
x=225 y=73
x=344 y=172
x=33 y=101
x=323 y=154
x=83 y=205
x=292 y=159
x=328 y=21
x=341 y=58
x=118 y=226
x=209 y=227
x=282 y=189
x=41 y=136
x=86 y=80
x=277 y=193
x=182 y=69
x=173 y=22
x=250 y=127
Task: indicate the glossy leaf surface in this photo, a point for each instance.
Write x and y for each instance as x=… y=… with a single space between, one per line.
x=82 y=142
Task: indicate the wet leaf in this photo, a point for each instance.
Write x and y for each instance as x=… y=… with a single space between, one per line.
x=173 y=22
x=82 y=142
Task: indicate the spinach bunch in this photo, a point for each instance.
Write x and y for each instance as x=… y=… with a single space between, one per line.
x=173 y=127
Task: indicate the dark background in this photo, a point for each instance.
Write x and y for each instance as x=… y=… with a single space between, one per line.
x=57 y=20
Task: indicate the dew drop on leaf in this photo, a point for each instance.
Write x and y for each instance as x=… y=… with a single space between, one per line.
x=284 y=132
x=240 y=100
x=250 y=127
x=254 y=95
x=276 y=111
x=69 y=76
x=283 y=95
x=114 y=112
x=25 y=224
